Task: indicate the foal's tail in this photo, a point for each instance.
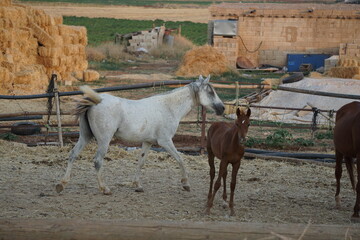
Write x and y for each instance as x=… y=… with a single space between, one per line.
x=90 y=99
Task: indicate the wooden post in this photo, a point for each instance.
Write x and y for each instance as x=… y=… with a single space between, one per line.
x=203 y=129
x=57 y=103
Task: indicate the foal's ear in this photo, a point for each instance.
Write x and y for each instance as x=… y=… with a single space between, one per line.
x=238 y=112
x=248 y=112
x=201 y=79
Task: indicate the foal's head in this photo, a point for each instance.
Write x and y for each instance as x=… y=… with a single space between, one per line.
x=242 y=123
x=207 y=96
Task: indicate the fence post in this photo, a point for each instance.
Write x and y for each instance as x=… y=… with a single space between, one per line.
x=203 y=129
x=57 y=103
x=314 y=125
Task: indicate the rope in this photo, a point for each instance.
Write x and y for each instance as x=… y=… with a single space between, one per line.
x=250 y=51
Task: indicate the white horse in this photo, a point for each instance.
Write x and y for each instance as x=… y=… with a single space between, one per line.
x=150 y=120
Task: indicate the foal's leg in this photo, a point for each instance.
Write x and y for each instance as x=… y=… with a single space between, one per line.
x=338 y=174
x=85 y=137
x=223 y=166
x=144 y=151
x=235 y=169
x=225 y=204
x=355 y=217
x=168 y=145
x=103 y=146
x=211 y=158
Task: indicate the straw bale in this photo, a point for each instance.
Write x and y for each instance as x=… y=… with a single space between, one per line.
x=91 y=75
x=5 y=2
x=203 y=60
x=43 y=37
x=52 y=52
x=344 y=72
x=71 y=49
x=357 y=76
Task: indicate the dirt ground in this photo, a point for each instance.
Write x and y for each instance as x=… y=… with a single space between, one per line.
x=267 y=191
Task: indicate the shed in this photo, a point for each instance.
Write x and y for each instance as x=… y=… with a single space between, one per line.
x=268 y=32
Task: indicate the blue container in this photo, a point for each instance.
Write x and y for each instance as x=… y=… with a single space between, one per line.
x=294 y=61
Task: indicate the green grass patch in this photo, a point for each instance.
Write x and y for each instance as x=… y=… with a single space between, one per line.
x=104 y=29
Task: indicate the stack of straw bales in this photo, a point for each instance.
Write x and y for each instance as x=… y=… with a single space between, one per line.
x=349 y=62
x=203 y=60
x=34 y=45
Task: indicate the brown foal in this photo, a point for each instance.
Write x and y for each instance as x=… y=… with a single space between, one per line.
x=225 y=141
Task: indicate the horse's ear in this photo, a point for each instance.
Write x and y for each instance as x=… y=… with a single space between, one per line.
x=206 y=81
x=248 y=112
x=201 y=79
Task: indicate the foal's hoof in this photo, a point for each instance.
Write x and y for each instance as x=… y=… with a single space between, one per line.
x=355 y=219
x=186 y=188
x=59 y=187
x=139 y=189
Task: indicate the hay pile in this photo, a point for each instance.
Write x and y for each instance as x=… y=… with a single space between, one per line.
x=349 y=62
x=203 y=60
x=33 y=45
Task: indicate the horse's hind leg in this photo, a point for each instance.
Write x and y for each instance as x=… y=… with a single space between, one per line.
x=355 y=217
x=338 y=174
x=85 y=137
x=168 y=145
x=144 y=151
x=103 y=146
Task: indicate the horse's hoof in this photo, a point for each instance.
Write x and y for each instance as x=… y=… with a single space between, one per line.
x=106 y=191
x=225 y=205
x=207 y=211
x=139 y=189
x=232 y=213
x=186 y=188
x=59 y=188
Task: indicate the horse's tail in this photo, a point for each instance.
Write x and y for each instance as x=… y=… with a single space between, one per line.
x=90 y=99
x=349 y=162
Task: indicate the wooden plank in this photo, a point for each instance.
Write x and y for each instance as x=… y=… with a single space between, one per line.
x=18 y=229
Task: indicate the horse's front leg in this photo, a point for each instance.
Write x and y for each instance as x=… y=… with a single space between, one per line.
x=168 y=145
x=144 y=151
x=235 y=169
x=225 y=203
x=217 y=185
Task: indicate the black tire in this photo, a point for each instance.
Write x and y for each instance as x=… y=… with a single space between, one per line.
x=25 y=128
x=295 y=77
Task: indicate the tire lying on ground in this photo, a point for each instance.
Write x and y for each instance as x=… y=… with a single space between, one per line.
x=295 y=77
x=25 y=128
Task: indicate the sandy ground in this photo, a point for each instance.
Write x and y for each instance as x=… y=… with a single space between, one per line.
x=267 y=191
x=200 y=15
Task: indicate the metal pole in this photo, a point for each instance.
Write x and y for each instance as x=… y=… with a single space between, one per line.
x=203 y=126
x=57 y=103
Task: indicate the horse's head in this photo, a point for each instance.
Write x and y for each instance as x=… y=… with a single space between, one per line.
x=242 y=123
x=206 y=95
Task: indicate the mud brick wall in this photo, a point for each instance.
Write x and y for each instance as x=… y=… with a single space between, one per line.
x=268 y=32
x=228 y=46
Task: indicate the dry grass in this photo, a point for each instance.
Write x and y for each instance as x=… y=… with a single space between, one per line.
x=108 y=50
x=177 y=51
